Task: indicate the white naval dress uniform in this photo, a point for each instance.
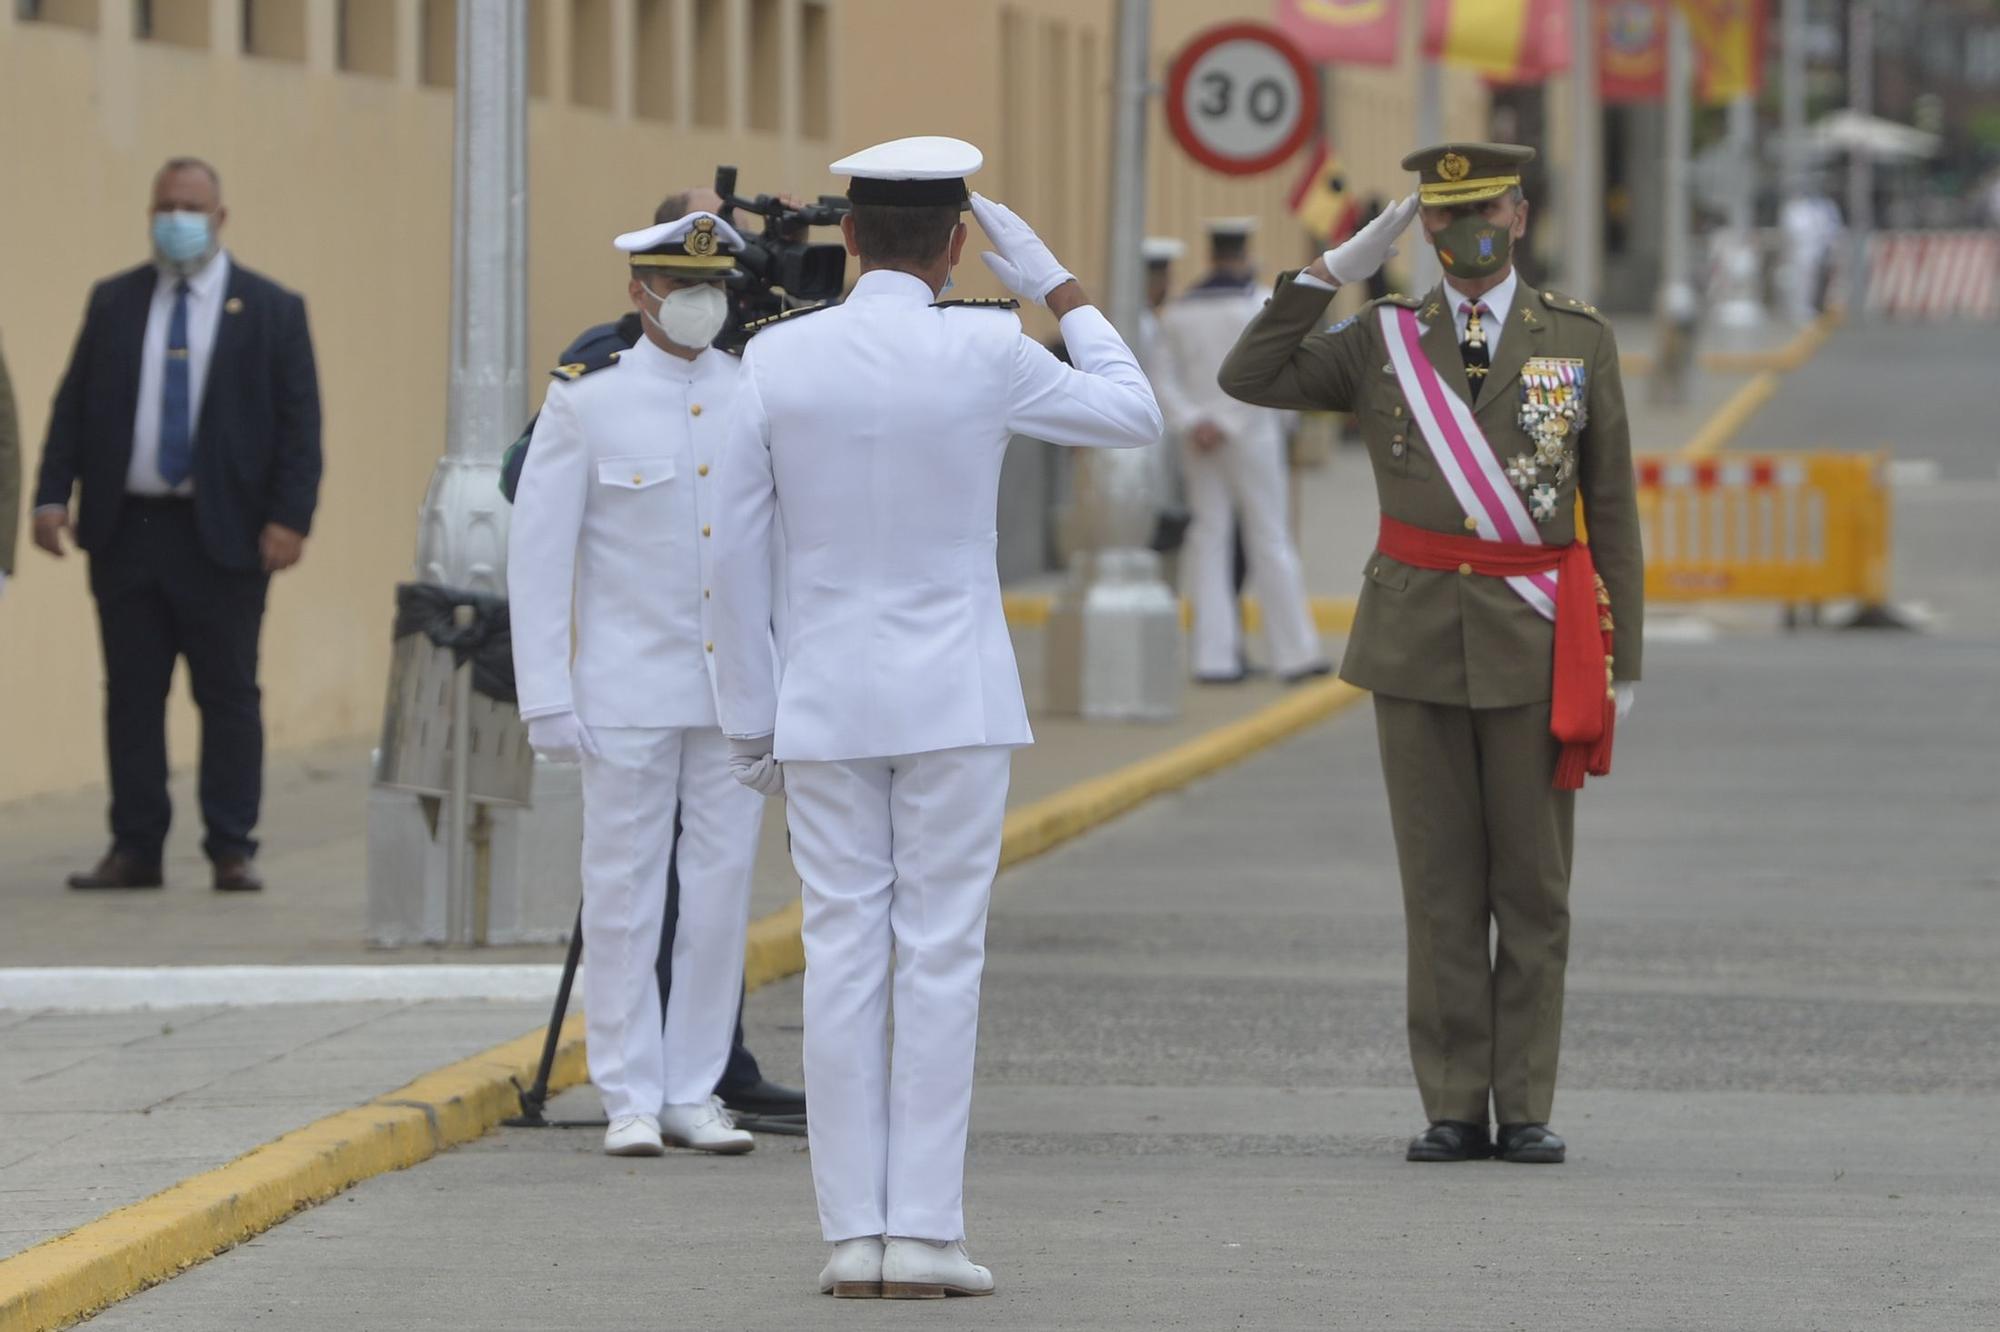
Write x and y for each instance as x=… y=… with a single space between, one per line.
x=871 y=436
x=1242 y=481
x=615 y=502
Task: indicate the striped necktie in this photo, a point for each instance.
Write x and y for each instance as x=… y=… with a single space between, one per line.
x=176 y=427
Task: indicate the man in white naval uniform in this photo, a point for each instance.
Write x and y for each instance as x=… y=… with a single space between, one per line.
x=610 y=527
x=1233 y=461
x=870 y=435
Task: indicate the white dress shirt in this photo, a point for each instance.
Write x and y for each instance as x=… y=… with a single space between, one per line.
x=1499 y=304
x=869 y=437
x=205 y=296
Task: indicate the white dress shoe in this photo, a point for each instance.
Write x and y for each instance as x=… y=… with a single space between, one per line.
x=633 y=1135
x=914 y=1269
x=706 y=1127
x=855 y=1270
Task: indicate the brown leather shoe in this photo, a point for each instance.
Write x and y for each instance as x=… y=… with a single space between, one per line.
x=237 y=874
x=118 y=870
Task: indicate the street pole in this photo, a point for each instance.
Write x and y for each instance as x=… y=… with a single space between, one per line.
x=1801 y=270
x=462 y=527
x=1114 y=644
x=1584 y=230
x=1741 y=259
x=1860 y=167
x=1675 y=269
x=1424 y=270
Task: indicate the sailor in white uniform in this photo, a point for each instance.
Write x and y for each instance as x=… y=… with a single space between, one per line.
x=1233 y=462
x=611 y=529
x=870 y=435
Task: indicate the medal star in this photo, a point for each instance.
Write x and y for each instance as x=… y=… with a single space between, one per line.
x=1542 y=502
x=1521 y=472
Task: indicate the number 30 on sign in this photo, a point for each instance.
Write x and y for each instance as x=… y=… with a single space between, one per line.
x=1241 y=98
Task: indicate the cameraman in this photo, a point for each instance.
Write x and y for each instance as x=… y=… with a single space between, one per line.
x=743 y=1088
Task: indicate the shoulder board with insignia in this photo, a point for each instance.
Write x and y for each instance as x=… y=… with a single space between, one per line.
x=759 y=325
x=1398 y=298
x=1555 y=300
x=578 y=369
x=978 y=303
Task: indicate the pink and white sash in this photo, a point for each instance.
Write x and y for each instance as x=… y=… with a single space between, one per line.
x=1469 y=464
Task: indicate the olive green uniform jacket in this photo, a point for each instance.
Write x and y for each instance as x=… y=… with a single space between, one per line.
x=1428 y=635
x=10 y=473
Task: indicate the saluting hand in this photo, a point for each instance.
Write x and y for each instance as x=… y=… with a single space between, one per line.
x=1018 y=258
x=1362 y=255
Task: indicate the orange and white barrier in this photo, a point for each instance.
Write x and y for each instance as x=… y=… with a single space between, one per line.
x=1929 y=276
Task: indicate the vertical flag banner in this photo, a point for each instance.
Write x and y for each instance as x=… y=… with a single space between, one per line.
x=1321 y=202
x=1729 y=46
x=1509 y=41
x=1342 y=32
x=1632 y=50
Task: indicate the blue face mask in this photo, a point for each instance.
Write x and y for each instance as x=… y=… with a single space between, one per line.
x=183 y=238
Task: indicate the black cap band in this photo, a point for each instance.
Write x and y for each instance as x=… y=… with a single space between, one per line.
x=907 y=193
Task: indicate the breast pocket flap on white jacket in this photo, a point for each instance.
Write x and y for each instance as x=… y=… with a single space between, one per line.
x=634 y=473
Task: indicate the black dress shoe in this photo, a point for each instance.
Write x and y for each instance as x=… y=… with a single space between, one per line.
x=1231 y=678
x=1530 y=1144
x=236 y=874
x=766 y=1099
x=1313 y=672
x=1450 y=1140
x=118 y=870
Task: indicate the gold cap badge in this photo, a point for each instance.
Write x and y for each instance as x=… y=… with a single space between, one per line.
x=701 y=240
x=1453 y=167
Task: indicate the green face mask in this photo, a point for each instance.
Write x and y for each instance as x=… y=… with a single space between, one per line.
x=1472 y=247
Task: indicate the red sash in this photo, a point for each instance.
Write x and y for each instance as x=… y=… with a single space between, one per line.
x=1582 y=707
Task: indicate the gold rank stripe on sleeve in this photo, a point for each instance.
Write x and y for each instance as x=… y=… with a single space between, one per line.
x=978 y=303
x=759 y=325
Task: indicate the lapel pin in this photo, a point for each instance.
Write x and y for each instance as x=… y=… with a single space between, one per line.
x=234 y=305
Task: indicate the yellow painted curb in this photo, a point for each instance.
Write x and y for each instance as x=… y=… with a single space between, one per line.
x=1788 y=357
x=1331 y=615
x=65 y=1279
x=1732 y=416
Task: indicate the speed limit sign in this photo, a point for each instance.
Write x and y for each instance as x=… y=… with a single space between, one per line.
x=1241 y=98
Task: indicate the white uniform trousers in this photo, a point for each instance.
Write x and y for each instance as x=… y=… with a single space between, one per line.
x=897 y=858
x=637 y=1062
x=1244 y=481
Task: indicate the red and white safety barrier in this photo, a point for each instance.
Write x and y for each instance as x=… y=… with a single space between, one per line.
x=1735 y=473
x=1929 y=276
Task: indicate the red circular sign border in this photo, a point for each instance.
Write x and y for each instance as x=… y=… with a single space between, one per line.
x=1183 y=66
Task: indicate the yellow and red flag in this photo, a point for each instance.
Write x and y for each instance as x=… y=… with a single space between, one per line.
x=1321 y=202
x=1509 y=41
x=1729 y=46
x=1632 y=50
x=1342 y=32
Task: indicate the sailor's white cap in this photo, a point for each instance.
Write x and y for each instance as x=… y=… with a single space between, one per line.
x=1162 y=249
x=926 y=170
x=695 y=243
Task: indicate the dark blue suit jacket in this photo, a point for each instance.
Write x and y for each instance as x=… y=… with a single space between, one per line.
x=256 y=453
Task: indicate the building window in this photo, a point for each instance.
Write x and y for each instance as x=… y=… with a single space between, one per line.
x=439 y=66
x=170 y=24
x=365 y=37
x=767 y=61
x=275 y=29
x=711 y=64
x=590 y=53
x=653 y=61
x=78 y=14
x=815 y=73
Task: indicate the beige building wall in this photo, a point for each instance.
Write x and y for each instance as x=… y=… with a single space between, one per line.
x=331 y=123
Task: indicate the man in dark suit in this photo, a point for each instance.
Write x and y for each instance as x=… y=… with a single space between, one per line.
x=189 y=420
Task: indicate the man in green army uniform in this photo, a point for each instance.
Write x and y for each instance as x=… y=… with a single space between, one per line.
x=1485 y=629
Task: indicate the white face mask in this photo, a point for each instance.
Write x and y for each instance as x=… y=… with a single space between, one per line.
x=690 y=316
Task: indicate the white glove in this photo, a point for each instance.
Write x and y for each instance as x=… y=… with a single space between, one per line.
x=750 y=763
x=1627 y=696
x=1362 y=255
x=1022 y=263
x=560 y=738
